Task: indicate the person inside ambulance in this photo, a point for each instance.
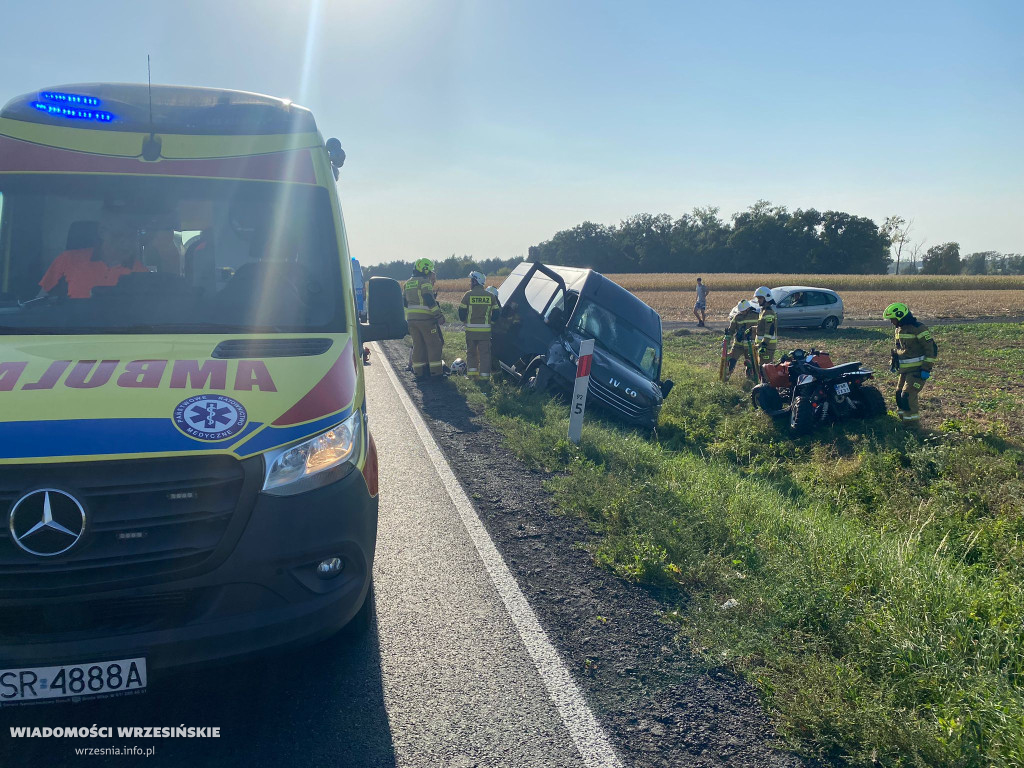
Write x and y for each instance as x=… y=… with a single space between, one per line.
x=162 y=250
x=77 y=272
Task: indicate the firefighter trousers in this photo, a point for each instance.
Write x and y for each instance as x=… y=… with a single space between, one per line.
x=426 y=347
x=907 y=391
x=478 y=354
x=766 y=352
x=740 y=349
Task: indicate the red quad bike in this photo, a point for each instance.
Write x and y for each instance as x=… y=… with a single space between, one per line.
x=811 y=390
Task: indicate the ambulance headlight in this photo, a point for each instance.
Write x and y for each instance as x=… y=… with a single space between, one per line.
x=316 y=462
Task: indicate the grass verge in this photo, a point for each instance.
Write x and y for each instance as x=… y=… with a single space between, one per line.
x=867 y=580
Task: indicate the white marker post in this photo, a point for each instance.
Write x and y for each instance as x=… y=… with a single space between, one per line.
x=579 y=392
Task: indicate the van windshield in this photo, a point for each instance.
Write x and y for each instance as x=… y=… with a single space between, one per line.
x=617 y=336
x=117 y=254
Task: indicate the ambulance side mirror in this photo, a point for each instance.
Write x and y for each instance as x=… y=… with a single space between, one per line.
x=385 y=311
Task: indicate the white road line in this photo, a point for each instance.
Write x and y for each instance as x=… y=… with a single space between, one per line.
x=586 y=732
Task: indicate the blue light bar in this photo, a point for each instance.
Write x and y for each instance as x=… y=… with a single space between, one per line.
x=75 y=113
x=69 y=98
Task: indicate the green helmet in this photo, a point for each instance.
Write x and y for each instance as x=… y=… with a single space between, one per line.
x=426 y=266
x=896 y=312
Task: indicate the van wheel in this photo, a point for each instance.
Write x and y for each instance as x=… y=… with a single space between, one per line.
x=801 y=416
x=540 y=378
x=831 y=323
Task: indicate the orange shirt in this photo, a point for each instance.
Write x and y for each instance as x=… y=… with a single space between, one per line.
x=83 y=273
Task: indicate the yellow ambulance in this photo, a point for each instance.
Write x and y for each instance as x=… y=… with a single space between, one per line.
x=186 y=472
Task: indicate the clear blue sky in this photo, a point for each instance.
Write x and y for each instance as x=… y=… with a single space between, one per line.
x=484 y=127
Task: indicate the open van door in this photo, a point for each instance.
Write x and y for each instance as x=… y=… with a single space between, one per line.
x=531 y=317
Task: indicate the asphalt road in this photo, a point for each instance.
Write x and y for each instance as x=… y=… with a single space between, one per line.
x=444 y=680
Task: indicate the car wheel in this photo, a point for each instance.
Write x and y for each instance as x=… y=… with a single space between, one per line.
x=831 y=323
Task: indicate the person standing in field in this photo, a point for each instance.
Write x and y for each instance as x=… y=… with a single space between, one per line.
x=743 y=318
x=912 y=358
x=700 y=308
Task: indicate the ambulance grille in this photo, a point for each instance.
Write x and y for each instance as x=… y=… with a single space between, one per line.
x=145 y=519
x=65 y=621
x=257 y=348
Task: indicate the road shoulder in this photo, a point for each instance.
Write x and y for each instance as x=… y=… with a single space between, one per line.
x=660 y=705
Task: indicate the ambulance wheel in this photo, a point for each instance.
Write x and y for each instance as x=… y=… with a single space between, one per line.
x=366 y=618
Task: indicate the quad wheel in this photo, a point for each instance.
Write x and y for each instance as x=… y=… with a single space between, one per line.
x=870 y=402
x=801 y=416
x=767 y=398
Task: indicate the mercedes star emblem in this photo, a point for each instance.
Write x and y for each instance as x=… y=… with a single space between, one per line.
x=47 y=522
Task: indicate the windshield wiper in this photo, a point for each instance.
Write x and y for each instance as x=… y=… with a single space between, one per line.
x=188 y=328
x=113 y=330
x=29 y=330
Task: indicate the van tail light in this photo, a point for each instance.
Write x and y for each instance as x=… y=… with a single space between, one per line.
x=370 y=466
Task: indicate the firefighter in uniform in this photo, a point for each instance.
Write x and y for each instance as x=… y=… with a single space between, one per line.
x=766 y=337
x=913 y=357
x=425 y=319
x=741 y=328
x=478 y=308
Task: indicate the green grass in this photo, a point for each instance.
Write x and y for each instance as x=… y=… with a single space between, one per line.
x=877 y=572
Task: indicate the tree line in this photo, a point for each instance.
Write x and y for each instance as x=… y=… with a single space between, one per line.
x=945 y=259
x=762 y=239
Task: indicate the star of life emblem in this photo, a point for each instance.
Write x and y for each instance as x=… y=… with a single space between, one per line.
x=210 y=417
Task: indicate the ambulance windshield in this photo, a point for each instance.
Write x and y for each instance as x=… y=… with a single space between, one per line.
x=121 y=254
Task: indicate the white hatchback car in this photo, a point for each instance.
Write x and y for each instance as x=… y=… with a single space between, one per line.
x=800 y=306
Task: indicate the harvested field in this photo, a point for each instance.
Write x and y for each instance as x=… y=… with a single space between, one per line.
x=741 y=282
x=841 y=283
x=859 y=305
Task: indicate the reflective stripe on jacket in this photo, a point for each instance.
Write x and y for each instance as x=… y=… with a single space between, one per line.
x=420 y=303
x=767 y=326
x=476 y=310
x=915 y=347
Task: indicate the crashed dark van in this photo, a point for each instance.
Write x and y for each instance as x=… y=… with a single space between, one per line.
x=548 y=310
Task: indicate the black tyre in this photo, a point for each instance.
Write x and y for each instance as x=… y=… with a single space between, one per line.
x=801 y=416
x=870 y=403
x=539 y=378
x=366 y=618
x=831 y=323
x=767 y=398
